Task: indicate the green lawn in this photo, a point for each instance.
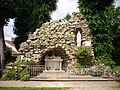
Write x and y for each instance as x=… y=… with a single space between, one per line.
x=116 y=86
x=26 y=88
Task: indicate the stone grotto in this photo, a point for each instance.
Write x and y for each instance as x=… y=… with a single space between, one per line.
x=54 y=43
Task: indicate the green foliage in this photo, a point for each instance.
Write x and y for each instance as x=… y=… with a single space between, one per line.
x=78 y=64
x=31 y=14
x=30 y=88
x=115 y=17
x=8 y=74
x=7 y=10
x=24 y=75
x=16 y=72
x=67 y=17
x=28 y=15
x=83 y=55
x=18 y=62
x=95 y=12
x=116 y=69
x=8 y=55
x=116 y=87
x=93 y=7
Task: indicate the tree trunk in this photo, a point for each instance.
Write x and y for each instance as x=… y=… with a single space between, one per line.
x=2 y=44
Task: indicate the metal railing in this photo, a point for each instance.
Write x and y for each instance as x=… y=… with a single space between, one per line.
x=36 y=70
x=39 y=72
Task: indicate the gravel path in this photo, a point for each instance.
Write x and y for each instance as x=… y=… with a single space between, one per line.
x=76 y=85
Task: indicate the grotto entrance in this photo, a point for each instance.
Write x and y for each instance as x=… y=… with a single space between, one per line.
x=55 y=59
x=53 y=62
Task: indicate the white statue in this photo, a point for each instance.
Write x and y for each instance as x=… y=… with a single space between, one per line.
x=78 y=39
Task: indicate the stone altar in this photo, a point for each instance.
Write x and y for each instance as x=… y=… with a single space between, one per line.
x=53 y=63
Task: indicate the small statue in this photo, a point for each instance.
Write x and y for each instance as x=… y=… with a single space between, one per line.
x=78 y=39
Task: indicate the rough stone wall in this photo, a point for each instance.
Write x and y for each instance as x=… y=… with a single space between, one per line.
x=57 y=34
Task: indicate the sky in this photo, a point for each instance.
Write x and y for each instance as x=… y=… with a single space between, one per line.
x=64 y=7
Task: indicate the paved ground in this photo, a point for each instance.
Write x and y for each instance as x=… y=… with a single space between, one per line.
x=65 y=77
x=76 y=85
x=74 y=82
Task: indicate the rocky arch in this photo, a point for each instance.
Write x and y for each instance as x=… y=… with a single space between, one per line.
x=56 y=52
x=57 y=34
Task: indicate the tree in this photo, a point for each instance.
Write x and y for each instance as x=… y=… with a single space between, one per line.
x=67 y=17
x=31 y=16
x=114 y=15
x=6 y=11
x=94 y=11
x=8 y=53
x=28 y=14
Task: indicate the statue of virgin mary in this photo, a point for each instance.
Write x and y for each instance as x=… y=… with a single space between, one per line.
x=78 y=39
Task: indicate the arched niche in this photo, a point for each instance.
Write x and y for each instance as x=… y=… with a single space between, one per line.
x=56 y=53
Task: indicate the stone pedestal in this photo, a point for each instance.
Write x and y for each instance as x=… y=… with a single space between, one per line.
x=53 y=63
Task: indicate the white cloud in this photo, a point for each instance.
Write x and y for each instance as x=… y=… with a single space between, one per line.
x=8 y=30
x=64 y=6
x=117 y=2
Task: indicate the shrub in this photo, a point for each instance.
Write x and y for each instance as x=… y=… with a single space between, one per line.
x=79 y=65
x=24 y=75
x=8 y=74
x=84 y=55
x=18 y=62
x=16 y=73
x=116 y=69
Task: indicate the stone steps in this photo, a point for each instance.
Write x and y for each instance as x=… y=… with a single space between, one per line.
x=67 y=77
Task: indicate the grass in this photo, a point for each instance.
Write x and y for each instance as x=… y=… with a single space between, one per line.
x=28 y=88
x=116 y=86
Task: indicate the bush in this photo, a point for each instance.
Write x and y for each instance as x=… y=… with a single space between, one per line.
x=24 y=75
x=16 y=73
x=116 y=69
x=18 y=62
x=84 y=55
x=79 y=65
x=8 y=74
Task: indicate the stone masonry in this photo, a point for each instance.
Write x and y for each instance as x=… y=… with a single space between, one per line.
x=59 y=37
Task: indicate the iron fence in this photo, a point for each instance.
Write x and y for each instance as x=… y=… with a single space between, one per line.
x=35 y=70
x=39 y=72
